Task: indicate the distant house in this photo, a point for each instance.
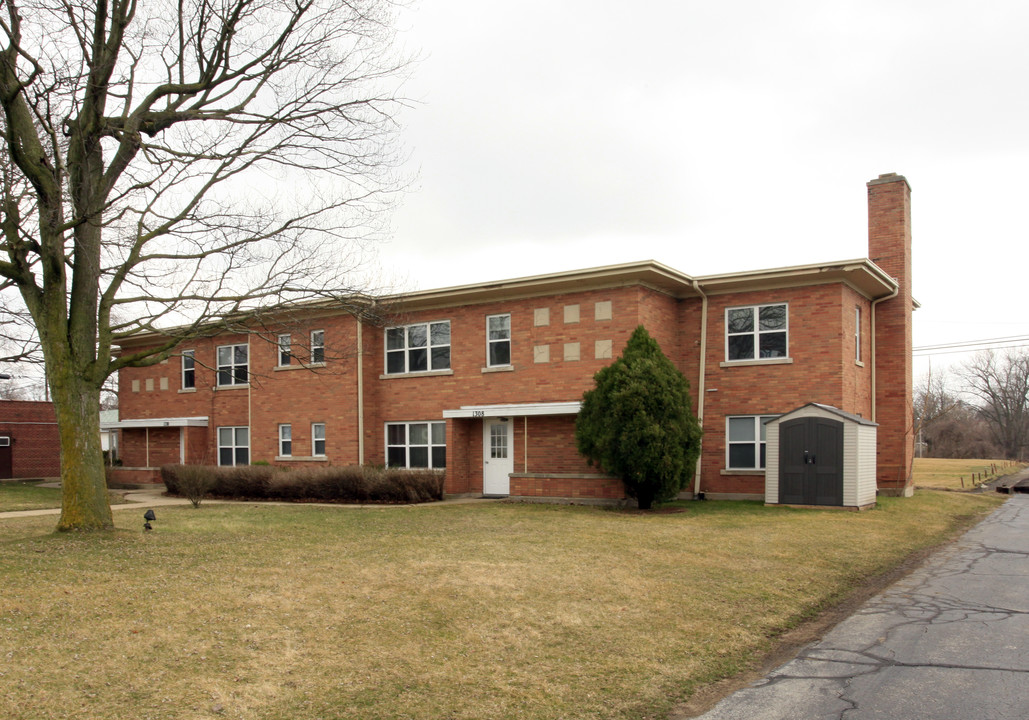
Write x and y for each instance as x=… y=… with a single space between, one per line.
x=29 y=445
x=109 y=437
x=485 y=380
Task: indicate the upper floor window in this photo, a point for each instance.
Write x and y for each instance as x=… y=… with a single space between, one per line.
x=232 y=365
x=189 y=377
x=317 y=346
x=418 y=348
x=498 y=340
x=857 y=334
x=285 y=344
x=285 y=440
x=234 y=445
x=745 y=441
x=318 y=439
x=757 y=332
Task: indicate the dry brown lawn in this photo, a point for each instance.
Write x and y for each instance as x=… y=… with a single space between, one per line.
x=476 y=611
x=951 y=474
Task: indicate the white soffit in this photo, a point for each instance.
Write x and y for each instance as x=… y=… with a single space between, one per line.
x=156 y=423
x=517 y=410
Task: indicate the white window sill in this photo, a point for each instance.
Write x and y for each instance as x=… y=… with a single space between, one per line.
x=242 y=386
x=188 y=390
x=424 y=373
x=498 y=368
x=301 y=458
x=732 y=471
x=762 y=361
x=299 y=366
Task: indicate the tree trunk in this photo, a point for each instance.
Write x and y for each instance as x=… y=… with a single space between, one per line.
x=85 y=505
x=644 y=498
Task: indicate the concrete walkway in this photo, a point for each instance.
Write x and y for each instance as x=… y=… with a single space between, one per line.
x=948 y=642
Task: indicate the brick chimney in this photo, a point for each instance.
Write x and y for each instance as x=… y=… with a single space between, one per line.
x=889 y=247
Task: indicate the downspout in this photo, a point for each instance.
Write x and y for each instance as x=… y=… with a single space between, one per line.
x=701 y=388
x=360 y=392
x=896 y=291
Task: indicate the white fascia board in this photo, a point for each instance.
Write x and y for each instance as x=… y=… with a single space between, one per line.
x=156 y=423
x=571 y=407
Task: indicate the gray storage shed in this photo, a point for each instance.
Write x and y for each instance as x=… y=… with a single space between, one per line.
x=819 y=455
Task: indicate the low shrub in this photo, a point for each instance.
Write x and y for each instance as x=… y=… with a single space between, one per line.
x=345 y=484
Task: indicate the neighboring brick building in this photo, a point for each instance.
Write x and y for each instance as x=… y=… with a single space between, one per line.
x=486 y=379
x=29 y=446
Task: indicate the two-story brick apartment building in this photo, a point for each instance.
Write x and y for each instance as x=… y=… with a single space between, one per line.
x=485 y=380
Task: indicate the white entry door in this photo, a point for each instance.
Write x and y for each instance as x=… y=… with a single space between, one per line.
x=497 y=458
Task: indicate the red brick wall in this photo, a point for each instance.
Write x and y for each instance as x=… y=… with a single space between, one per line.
x=889 y=246
x=35 y=447
x=821 y=322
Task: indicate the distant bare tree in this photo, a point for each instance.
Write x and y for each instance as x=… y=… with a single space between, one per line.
x=178 y=162
x=932 y=403
x=1000 y=385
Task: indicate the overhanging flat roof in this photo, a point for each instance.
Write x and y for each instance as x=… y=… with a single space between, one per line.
x=155 y=423
x=517 y=410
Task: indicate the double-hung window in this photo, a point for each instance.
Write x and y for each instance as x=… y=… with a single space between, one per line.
x=317 y=347
x=285 y=440
x=416 y=445
x=757 y=332
x=418 y=348
x=498 y=340
x=285 y=355
x=233 y=368
x=234 y=445
x=189 y=376
x=318 y=439
x=745 y=446
x=857 y=334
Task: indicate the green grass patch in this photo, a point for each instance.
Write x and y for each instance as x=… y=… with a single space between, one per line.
x=470 y=611
x=18 y=495
x=957 y=474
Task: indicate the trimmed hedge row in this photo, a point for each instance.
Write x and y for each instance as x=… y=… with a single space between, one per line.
x=344 y=484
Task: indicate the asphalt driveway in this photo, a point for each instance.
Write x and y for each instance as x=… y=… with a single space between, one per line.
x=948 y=642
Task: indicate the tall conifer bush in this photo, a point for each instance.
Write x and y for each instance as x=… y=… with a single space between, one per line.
x=637 y=422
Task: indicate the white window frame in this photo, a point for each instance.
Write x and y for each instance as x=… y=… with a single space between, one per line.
x=757 y=443
x=285 y=436
x=234 y=446
x=316 y=430
x=285 y=346
x=490 y=341
x=317 y=347
x=857 y=333
x=407 y=349
x=5 y=441
x=232 y=368
x=190 y=372
x=756 y=333
x=429 y=446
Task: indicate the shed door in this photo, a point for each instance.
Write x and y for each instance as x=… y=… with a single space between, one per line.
x=6 y=464
x=811 y=462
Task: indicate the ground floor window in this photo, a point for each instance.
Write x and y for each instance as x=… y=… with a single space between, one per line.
x=233 y=446
x=285 y=440
x=745 y=446
x=318 y=439
x=416 y=445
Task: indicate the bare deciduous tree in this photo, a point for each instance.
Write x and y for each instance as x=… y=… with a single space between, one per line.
x=176 y=163
x=1000 y=385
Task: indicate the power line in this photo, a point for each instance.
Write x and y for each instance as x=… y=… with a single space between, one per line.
x=1010 y=342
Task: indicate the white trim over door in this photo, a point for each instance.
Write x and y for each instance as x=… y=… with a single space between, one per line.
x=497 y=455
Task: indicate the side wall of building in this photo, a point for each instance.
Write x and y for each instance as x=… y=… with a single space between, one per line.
x=34 y=449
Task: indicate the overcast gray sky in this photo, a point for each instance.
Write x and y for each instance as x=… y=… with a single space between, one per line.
x=553 y=135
